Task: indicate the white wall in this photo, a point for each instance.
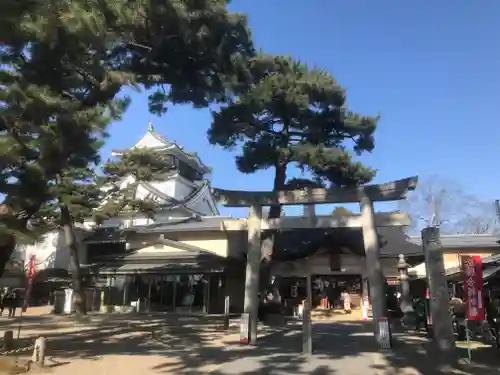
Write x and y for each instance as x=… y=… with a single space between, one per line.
x=181 y=189
x=166 y=187
x=51 y=252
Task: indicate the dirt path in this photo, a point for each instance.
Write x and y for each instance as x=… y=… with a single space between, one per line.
x=106 y=344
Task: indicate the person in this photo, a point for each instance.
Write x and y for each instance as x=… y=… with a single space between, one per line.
x=420 y=314
x=3 y=294
x=346 y=298
x=459 y=312
x=13 y=300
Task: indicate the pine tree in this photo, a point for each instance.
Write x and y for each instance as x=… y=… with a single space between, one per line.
x=63 y=64
x=60 y=84
x=293 y=115
x=340 y=212
x=188 y=51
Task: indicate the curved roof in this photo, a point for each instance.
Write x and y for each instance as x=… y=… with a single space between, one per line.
x=154 y=140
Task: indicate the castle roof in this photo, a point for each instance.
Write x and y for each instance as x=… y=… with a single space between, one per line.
x=154 y=140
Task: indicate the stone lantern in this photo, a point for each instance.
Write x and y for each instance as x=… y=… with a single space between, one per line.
x=406 y=300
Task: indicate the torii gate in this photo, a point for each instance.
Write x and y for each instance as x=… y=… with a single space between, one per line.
x=365 y=195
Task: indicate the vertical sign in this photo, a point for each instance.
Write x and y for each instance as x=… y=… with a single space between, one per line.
x=245 y=328
x=473 y=287
x=384 y=333
x=227 y=305
x=31 y=277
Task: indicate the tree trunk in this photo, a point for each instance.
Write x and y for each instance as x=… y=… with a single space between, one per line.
x=267 y=245
x=7 y=248
x=72 y=245
x=17 y=222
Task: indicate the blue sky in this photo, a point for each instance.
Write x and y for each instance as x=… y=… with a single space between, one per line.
x=430 y=68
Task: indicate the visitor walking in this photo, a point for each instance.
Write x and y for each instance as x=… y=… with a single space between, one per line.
x=13 y=301
x=420 y=313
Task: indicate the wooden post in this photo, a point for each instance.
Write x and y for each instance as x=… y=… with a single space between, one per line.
x=306 y=314
x=227 y=305
x=251 y=304
x=309 y=211
x=365 y=304
x=39 y=352
x=8 y=340
x=438 y=290
x=373 y=266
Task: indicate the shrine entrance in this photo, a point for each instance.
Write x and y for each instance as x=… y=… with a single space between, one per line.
x=367 y=220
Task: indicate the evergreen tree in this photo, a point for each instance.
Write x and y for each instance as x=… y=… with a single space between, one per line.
x=188 y=51
x=63 y=64
x=340 y=212
x=59 y=81
x=293 y=115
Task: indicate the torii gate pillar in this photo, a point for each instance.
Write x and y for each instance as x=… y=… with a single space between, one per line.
x=373 y=266
x=251 y=302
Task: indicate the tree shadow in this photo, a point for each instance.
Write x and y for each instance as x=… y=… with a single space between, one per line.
x=165 y=344
x=201 y=347
x=416 y=352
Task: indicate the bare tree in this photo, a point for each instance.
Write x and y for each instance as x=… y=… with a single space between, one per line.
x=442 y=203
x=480 y=219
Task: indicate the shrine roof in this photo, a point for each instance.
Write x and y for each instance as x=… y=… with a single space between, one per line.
x=189 y=224
x=185 y=258
x=105 y=235
x=472 y=241
x=294 y=243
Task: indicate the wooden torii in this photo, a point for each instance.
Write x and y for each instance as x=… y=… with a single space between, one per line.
x=309 y=197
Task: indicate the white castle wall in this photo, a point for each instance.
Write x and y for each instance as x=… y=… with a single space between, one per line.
x=51 y=252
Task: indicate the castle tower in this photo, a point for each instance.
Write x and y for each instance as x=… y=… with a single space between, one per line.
x=185 y=189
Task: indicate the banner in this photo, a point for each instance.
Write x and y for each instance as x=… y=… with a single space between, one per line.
x=473 y=286
x=31 y=277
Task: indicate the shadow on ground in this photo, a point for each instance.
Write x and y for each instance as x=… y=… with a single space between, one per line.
x=198 y=347
x=416 y=354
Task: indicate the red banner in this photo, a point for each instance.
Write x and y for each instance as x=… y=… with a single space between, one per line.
x=473 y=286
x=31 y=277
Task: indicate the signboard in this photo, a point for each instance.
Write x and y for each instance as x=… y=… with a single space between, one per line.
x=31 y=277
x=227 y=305
x=384 y=333
x=335 y=262
x=473 y=287
x=365 y=307
x=68 y=301
x=392 y=281
x=245 y=328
